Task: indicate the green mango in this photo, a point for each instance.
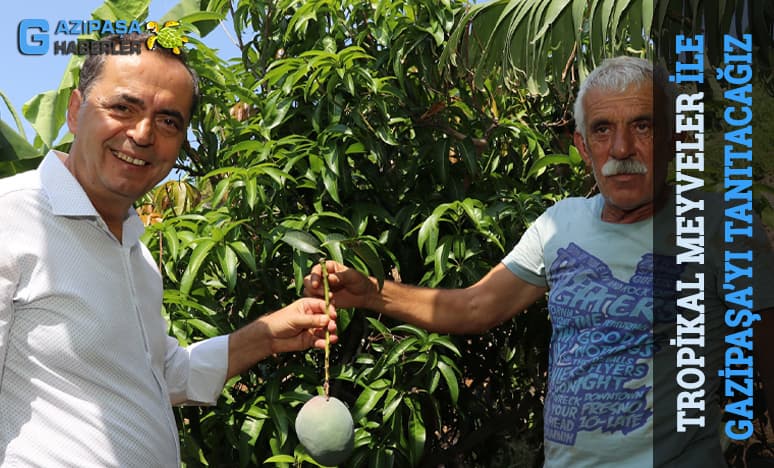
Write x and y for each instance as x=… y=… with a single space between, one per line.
x=325 y=428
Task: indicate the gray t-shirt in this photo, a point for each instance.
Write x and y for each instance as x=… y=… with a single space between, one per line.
x=599 y=409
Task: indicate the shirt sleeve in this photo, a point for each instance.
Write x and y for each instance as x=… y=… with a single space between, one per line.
x=9 y=280
x=526 y=260
x=196 y=374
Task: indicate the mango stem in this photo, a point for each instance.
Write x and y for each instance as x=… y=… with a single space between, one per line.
x=326 y=291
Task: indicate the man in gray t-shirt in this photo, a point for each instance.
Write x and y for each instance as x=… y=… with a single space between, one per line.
x=597 y=261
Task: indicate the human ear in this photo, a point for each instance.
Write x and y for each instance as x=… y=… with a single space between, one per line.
x=580 y=143
x=73 y=106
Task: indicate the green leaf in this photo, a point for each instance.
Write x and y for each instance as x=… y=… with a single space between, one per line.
x=366 y=252
x=121 y=9
x=197 y=258
x=427 y=239
x=249 y=433
x=385 y=135
x=331 y=183
x=607 y=14
x=46 y=112
x=173 y=296
x=355 y=148
x=385 y=458
x=446 y=342
x=333 y=245
x=549 y=160
x=391 y=403
x=198 y=17
x=367 y=401
x=417 y=433
x=182 y=10
x=220 y=191
x=379 y=326
x=245 y=254
x=208 y=330
x=258 y=412
x=397 y=352
x=555 y=8
x=228 y=264
x=469 y=157
x=620 y=13
x=648 y=10
x=578 y=7
x=441 y=262
x=280 y=459
x=575 y=156
x=15 y=115
x=281 y=420
x=413 y=329
x=251 y=191
x=302 y=241
x=13 y=146
x=187 y=12
x=171 y=243
x=449 y=375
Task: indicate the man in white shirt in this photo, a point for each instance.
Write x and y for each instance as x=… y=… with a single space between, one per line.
x=87 y=372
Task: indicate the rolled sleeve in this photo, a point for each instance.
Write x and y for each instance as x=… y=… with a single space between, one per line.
x=196 y=374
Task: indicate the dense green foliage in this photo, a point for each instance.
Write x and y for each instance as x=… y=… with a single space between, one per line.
x=351 y=130
x=336 y=134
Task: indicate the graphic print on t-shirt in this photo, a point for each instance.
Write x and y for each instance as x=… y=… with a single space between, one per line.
x=601 y=347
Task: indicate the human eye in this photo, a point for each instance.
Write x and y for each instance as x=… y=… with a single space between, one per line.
x=601 y=130
x=169 y=124
x=643 y=127
x=118 y=108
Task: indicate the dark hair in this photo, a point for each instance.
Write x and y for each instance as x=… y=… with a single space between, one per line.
x=92 y=66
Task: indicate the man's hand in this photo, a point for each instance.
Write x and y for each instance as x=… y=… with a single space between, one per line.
x=348 y=287
x=296 y=327
x=495 y=298
x=300 y=325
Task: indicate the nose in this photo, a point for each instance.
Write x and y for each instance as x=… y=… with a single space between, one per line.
x=623 y=145
x=142 y=132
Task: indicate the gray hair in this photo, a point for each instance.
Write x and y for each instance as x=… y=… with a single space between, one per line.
x=614 y=74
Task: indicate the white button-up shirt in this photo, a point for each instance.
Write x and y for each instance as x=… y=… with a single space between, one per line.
x=87 y=370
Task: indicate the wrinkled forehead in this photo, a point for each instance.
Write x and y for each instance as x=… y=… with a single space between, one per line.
x=659 y=102
x=608 y=103
x=148 y=74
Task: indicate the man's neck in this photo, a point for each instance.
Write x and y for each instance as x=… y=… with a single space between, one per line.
x=112 y=214
x=613 y=214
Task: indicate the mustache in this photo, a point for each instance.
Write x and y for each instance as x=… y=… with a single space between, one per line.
x=623 y=166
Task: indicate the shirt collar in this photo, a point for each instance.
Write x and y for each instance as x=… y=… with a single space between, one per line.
x=68 y=198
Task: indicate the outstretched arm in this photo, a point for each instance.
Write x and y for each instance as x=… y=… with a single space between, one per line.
x=497 y=297
x=296 y=327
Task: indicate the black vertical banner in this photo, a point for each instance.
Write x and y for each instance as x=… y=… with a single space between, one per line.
x=713 y=264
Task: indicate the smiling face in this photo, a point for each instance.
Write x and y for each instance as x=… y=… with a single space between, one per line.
x=619 y=148
x=129 y=127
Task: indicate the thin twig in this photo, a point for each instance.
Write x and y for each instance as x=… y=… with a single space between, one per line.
x=326 y=291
